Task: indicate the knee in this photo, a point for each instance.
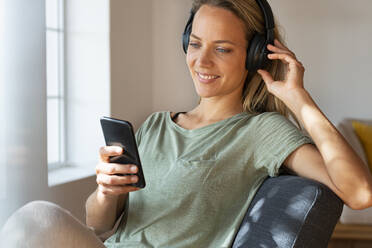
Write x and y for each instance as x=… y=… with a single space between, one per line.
x=37 y=209
x=39 y=206
x=37 y=217
x=36 y=212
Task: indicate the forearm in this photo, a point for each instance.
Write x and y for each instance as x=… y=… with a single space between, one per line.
x=346 y=170
x=103 y=210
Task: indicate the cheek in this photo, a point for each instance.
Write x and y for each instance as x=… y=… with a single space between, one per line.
x=189 y=60
x=236 y=70
x=239 y=66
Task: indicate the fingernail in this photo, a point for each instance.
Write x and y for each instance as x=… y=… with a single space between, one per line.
x=119 y=149
x=133 y=168
x=133 y=179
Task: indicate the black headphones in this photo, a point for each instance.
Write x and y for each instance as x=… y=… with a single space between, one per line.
x=257 y=50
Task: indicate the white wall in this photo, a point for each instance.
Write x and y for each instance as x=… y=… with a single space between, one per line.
x=148 y=66
x=332 y=39
x=173 y=88
x=131 y=59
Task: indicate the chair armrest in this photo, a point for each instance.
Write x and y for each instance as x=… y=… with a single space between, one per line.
x=290 y=211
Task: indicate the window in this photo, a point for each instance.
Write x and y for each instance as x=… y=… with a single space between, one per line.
x=78 y=87
x=55 y=35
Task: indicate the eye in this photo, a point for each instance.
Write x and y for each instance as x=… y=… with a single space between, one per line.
x=223 y=50
x=194 y=45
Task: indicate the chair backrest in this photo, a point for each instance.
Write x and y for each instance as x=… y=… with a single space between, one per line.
x=290 y=211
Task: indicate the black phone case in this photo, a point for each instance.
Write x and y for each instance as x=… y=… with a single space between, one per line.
x=120 y=133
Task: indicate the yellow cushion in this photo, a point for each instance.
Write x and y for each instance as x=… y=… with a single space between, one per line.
x=364 y=133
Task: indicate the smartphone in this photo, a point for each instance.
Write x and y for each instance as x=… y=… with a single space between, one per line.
x=120 y=133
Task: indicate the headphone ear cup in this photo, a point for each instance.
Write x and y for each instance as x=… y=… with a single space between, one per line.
x=187 y=32
x=257 y=53
x=186 y=39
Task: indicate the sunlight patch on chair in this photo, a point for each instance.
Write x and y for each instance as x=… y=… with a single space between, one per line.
x=297 y=203
x=280 y=234
x=257 y=210
x=245 y=227
x=264 y=246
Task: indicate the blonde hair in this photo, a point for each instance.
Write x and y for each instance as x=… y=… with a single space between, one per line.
x=255 y=98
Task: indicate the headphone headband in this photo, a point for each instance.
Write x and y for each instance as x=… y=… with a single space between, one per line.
x=268 y=14
x=269 y=20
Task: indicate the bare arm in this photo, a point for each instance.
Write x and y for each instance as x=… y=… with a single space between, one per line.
x=332 y=162
x=102 y=211
x=105 y=205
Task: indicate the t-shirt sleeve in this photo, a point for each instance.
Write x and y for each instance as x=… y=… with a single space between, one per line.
x=138 y=135
x=142 y=130
x=276 y=138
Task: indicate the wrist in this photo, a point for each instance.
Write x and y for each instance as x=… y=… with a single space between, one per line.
x=298 y=99
x=103 y=198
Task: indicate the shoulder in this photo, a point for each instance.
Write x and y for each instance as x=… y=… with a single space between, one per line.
x=152 y=122
x=270 y=116
x=272 y=119
x=157 y=115
x=154 y=118
x=277 y=126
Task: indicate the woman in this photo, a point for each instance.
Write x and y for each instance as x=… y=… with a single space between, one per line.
x=203 y=167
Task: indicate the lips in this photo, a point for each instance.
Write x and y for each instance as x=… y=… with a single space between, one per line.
x=206 y=78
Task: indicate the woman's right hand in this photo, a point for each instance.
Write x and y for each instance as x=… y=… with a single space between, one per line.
x=108 y=180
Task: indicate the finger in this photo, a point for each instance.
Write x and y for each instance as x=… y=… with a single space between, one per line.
x=113 y=180
x=279 y=44
x=112 y=168
x=106 y=151
x=266 y=77
x=280 y=50
x=293 y=63
x=285 y=58
x=294 y=66
x=116 y=190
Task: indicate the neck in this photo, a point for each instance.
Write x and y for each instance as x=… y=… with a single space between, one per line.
x=214 y=109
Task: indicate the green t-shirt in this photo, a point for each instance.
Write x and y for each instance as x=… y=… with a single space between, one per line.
x=199 y=183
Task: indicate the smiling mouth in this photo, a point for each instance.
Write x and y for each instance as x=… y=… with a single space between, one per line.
x=207 y=77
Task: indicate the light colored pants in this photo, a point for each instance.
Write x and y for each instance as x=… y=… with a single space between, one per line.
x=41 y=224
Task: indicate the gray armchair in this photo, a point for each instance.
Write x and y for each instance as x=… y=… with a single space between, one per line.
x=290 y=212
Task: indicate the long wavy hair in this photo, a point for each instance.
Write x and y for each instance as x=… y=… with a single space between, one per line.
x=255 y=97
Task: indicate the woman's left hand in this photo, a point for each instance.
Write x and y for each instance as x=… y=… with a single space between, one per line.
x=294 y=73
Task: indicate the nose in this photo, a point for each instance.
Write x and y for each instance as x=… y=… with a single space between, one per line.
x=204 y=58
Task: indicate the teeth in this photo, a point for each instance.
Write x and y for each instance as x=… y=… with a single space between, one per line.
x=207 y=77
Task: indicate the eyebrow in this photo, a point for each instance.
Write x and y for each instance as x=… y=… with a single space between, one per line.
x=217 y=41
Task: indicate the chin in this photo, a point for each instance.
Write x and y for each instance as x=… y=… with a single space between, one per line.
x=204 y=91
x=201 y=92
x=205 y=94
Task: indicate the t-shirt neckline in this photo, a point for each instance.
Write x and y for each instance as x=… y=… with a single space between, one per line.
x=201 y=129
